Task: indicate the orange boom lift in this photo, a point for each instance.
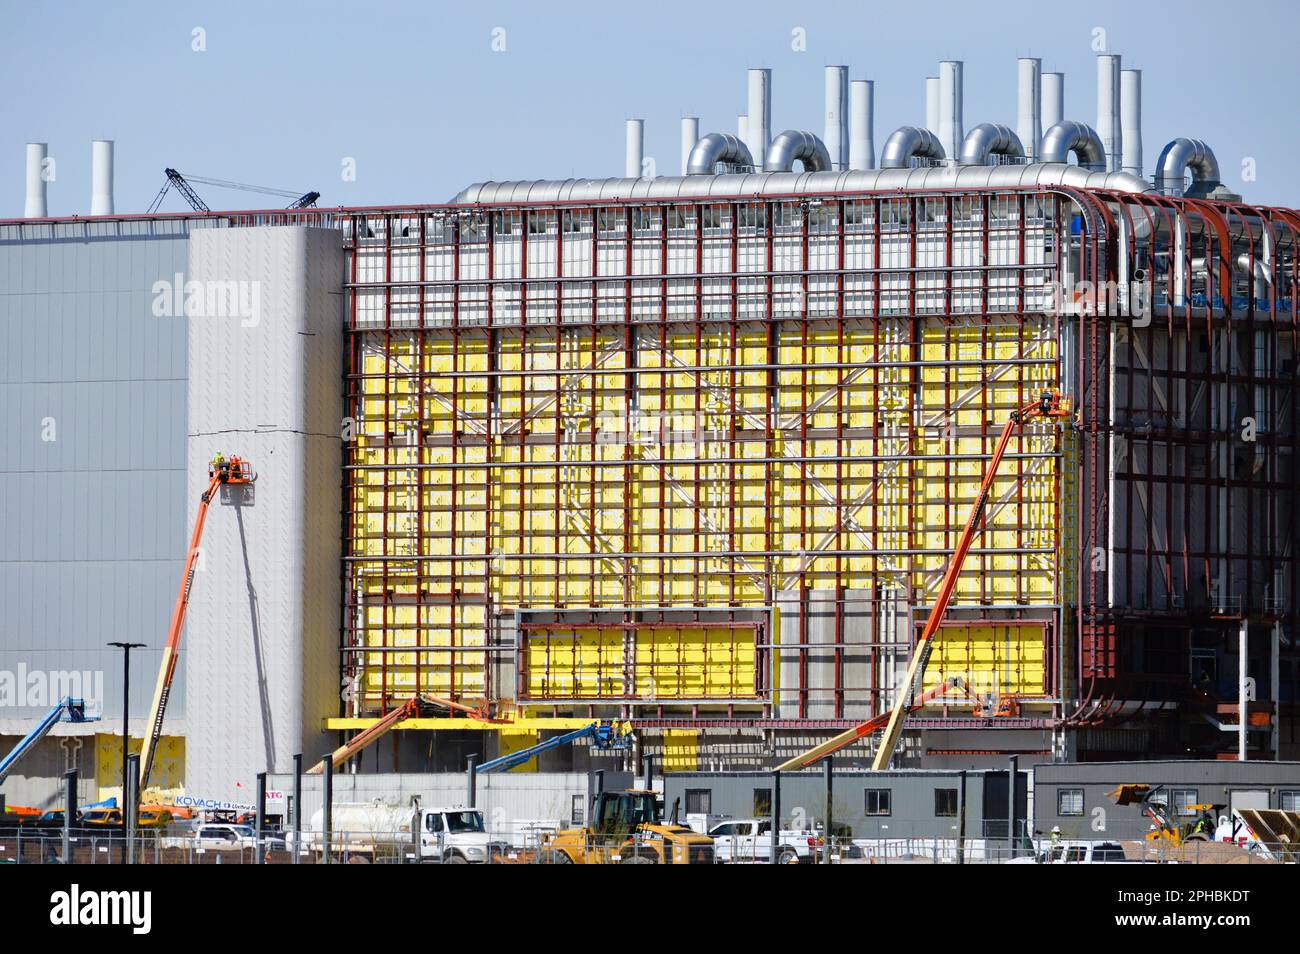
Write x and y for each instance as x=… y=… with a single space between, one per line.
x=1049 y=405
x=221 y=471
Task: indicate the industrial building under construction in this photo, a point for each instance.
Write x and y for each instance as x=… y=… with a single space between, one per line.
x=690 y=452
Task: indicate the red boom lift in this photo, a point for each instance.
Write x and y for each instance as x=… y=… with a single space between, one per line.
x=1049 y=405
x=236 y=470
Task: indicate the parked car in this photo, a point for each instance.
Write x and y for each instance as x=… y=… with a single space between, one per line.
x=1078 y=853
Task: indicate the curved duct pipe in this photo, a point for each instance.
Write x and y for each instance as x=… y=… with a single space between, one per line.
x=1034 y=176
x=715 y=148
x=796 y=144
x=990 y=139
x=907 y=143
x=1069 y=136
x=1179 y=156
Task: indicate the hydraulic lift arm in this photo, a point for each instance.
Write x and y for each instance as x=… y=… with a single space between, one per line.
x=68 y=710
x=1050 y=404
x=603 y=735
x=221 y=471
x=381 y=727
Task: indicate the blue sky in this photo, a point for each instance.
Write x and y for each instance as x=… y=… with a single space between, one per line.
x=417 y=96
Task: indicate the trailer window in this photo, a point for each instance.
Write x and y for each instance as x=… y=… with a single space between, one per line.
x=699 y=801
x=1069 y=801
x=877 y=802
x=945 y=802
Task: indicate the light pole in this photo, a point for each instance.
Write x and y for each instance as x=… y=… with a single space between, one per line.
x=126 y=734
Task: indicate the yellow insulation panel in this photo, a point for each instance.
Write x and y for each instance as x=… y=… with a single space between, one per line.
x=1000 y=660
x=566 y=469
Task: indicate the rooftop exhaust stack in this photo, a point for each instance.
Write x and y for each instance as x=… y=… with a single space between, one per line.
x=932 y=104
x=758 y=123
x=951 y=133
x=742 y=127
x=836 y=134
x=690 y=136
x=1130 y=120
x=35 y=207
x=862 y=146
x=1029 y=105
x=635 y=148
x=101 y=177
x=1108 y=109
x=1053 y=94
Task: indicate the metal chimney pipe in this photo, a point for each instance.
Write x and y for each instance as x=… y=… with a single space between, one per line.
x=836 y=133
x=951 y=132
x=1053 y=94
x=635 y=151
x=932 y=104
x=1130 y=120
x=101 y=177
x=862 y=108
x=1108 y=109
x=690 y=136
x=742 y=129
x=36 y=207
x=758 y=124
x=1029 y=104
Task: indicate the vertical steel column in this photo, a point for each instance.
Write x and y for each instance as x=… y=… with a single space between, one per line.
x=327 y=808
x=961 y=817
x=471 y=781
x=1011 y=806
x=260 y=821
x=69 y=812
x=297 y=808
x=1243 y=642
x=776 y=817
x=131 y=807
x=828 y=774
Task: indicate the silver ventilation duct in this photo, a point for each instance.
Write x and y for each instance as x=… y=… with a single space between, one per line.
x=690 y=136
x=951 y=132
x=634 y=150
x=35 y=206
x=907 y=143
x=862 y=145
x=715 y=148
x=1108 y=127
x=758 y=123
x=1053 y=100
x=837 y=116
x=1038 y=175
x=1029 y=95
x=101 y=177
x=1081 y=139
x=795 y=144
x=1179 y=156
x=990 y=139
x=1130 y=120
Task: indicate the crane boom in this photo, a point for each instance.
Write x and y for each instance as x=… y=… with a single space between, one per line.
x=603 y=735
x=221 y=471
x=1049 y=404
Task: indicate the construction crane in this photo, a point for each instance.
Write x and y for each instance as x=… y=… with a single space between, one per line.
x=68 y=709
x=1049 y=405
x=221 y=471
x=182 y=185
x=411 y=708
x=603 y=735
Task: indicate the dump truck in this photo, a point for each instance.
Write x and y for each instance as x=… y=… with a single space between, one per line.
x=627 y=827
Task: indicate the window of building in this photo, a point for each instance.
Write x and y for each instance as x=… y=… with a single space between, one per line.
x=1069 y=801
x=945 y=802
x=578 y=810
x=762 y=802
x=878 y=801
x=1289 y=800
x=1181 y=800
x=699 y=801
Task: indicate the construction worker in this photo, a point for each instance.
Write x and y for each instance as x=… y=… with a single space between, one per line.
x=221 y=466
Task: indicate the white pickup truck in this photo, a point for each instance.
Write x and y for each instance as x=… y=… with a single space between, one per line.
x=1078 y=853
x=749 y=841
